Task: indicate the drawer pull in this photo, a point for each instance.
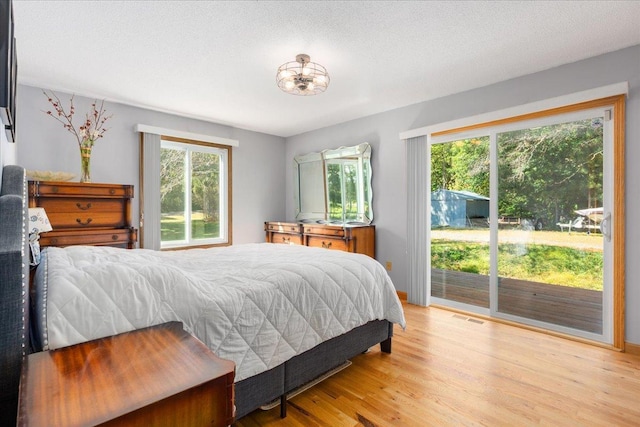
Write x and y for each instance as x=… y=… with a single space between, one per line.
x=326 y=245
x=87 y=222
x=114 y=237
x=112 y=191
x=286 y=240
x=83 y=208
x=54 y=190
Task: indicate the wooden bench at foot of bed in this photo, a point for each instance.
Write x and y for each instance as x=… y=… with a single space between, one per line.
x=155 y=376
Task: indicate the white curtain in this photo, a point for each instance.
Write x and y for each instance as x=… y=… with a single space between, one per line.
x=417 y=191
x=150 y=195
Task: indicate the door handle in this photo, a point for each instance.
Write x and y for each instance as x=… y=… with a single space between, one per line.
x=605 y=226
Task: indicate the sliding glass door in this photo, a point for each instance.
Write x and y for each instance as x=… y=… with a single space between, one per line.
x=521 y=222
x=460 y=221
x=551 y=265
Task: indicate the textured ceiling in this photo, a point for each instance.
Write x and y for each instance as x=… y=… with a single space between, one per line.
x=217 y=60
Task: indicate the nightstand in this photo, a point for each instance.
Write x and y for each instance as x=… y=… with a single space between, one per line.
x=149 y=377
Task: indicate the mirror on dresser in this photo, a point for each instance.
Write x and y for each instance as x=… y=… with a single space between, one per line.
x=334 y=186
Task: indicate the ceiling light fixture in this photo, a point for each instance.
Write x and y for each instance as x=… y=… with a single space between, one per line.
x=302 y=77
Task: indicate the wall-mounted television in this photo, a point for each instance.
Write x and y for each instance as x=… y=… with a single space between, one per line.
x=8 y=70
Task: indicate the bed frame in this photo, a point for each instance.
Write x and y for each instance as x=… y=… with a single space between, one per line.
x=277 y=383
x=250 y=393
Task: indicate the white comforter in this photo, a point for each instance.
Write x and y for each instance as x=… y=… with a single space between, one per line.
x=256 y=304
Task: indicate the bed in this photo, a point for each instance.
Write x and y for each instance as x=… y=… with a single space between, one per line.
x=14 y=264
x=284 y=314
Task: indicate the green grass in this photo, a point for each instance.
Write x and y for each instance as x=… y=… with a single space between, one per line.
x=550 y=264
x=336 y=212
x=172 y=228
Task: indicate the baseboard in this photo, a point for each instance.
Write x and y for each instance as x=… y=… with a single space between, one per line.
x=632 y=348
x=402 y=295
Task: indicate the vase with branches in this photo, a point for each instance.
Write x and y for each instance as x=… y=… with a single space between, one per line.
x=89 y=131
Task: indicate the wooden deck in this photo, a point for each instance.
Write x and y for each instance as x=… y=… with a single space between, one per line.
x=561 y=305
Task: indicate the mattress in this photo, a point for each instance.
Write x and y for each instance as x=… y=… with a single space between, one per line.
x=255 y=304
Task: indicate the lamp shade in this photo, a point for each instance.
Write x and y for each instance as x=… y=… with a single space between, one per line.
x=38 y=221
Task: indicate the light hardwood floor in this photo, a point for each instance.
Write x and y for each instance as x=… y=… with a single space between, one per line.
x=452 y=370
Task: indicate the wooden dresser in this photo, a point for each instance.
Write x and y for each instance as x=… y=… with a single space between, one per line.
x=85 y=213
x=158 y=376
x=359 y=239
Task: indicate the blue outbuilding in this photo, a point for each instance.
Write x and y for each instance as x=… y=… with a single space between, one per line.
x=450 y=208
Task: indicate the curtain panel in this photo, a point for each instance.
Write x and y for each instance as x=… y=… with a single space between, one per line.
x=417 y=191
x=150 y=194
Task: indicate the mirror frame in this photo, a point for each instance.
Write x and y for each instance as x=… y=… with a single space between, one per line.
x=310 y=189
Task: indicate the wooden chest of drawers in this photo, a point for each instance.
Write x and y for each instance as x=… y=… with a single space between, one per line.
x=288 y=233
x=357 y=239
x=85 y=213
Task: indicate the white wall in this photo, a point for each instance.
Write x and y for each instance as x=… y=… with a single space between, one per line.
x=258 y=163
x=389 y=187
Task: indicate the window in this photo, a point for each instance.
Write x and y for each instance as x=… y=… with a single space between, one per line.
x=193 y=194
x=185 y=189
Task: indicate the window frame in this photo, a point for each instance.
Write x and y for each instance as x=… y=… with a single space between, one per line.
x=418 y=140
x=224 y=152
x=543 y=118
x=149 y=190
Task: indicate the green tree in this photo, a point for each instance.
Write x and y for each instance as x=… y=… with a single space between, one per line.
x=535 y=163
x=205 y=182
x=334 y=189
x=461 y=165
x=172 y=164
x=205 y=185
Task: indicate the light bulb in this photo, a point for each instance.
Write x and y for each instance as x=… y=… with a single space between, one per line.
x=311 y=86
x=289 y=84
x=319 y=79
x=306 y=71
x=284 y=74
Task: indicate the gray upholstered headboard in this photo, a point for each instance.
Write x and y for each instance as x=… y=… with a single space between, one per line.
x=14 y=292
